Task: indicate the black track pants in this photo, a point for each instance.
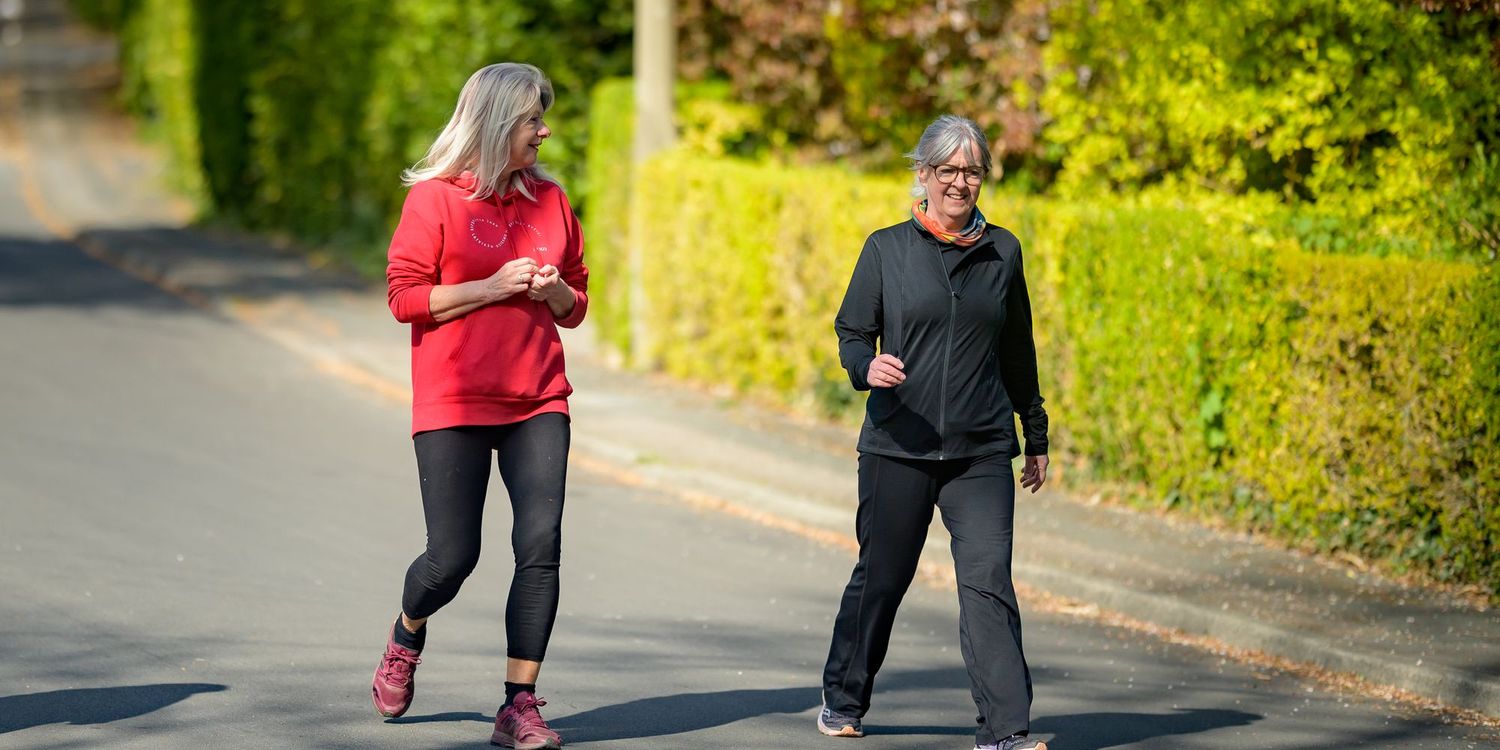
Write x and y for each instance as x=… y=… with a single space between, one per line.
x=454 y=465
x=976 y=497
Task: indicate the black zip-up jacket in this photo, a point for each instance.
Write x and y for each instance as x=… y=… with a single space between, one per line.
x=963 y=335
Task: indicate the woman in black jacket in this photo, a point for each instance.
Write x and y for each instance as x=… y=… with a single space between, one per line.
x=943 y=297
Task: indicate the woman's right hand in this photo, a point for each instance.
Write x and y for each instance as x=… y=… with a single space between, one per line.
x=885 y=372
x=513 y=278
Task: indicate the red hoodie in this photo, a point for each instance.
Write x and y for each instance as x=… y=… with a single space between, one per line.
x=502 y=363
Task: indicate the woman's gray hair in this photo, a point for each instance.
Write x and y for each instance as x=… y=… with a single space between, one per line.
x=944 y=136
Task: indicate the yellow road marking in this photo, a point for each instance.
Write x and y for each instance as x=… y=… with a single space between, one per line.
x=31 y=193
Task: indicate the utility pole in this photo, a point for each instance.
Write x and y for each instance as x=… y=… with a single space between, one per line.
x=655 y=62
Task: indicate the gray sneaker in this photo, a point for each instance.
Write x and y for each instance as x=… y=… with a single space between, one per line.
x=838 y=725
x=1014 y=742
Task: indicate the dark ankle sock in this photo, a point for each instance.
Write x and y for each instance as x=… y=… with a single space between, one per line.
x=513 y=689
x=407 y=639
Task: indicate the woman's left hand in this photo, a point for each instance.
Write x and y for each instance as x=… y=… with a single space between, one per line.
x=547 y=284
x=1034 y=473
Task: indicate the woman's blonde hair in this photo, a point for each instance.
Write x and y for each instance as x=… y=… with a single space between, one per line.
x=496 y=99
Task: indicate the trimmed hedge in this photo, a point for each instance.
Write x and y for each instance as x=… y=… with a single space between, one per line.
x=1379 y=424
x=708 y=123
x=1333 y=400
x=1343 y=403
x=754 y=262
x=606 y=226
x=160 y=65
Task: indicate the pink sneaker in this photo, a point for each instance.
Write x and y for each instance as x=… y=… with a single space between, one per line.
x=520 y=726
x=395 y=680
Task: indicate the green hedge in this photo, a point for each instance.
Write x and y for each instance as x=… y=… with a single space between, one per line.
x=159 y=51
x=708 y=122
x=754 y=261
x=299 y=115
x=1342 y=403
x=606 y=227
x=1336 y=401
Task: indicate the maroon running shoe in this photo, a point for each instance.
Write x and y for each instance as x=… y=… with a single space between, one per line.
x=520 y=726
x=395 y=680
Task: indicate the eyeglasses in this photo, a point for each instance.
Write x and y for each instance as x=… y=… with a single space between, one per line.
x=947 y=173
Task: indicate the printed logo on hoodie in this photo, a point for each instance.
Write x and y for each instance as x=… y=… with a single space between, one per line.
x=489 y=233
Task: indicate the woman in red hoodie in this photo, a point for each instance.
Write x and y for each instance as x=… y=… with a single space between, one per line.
x=485 y=264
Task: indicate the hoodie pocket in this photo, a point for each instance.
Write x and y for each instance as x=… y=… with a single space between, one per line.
x=465 y=325
x=502 y=352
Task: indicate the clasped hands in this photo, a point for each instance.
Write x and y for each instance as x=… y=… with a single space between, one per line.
x=540 y=282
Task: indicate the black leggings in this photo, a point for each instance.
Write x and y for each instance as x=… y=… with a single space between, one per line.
x=454 y=465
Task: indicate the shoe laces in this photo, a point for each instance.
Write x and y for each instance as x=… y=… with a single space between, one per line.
x=398 y=667
x=831 y=716
x=525 y=711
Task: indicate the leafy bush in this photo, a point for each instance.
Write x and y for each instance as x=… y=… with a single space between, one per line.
x=1470 y=207
x=708 y=123
x=1335 y=401
x=606 y=229
x=299 y=115
x=859 y=79
x=160 y=66
x=1359 y=106
x=1377 y=437
x=756 y=259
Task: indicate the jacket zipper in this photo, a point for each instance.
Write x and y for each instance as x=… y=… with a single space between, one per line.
x=947 y=357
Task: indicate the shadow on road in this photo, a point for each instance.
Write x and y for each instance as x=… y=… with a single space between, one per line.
x=93 y=705
x=241 y=265
x=51 y=273
x=665 y=715
x=445 y=716
x=214 y=266
x=687 y=712
x=1093 y=731
x=898 y=730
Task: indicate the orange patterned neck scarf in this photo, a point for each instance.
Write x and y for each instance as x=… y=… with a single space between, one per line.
x=971 y=234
